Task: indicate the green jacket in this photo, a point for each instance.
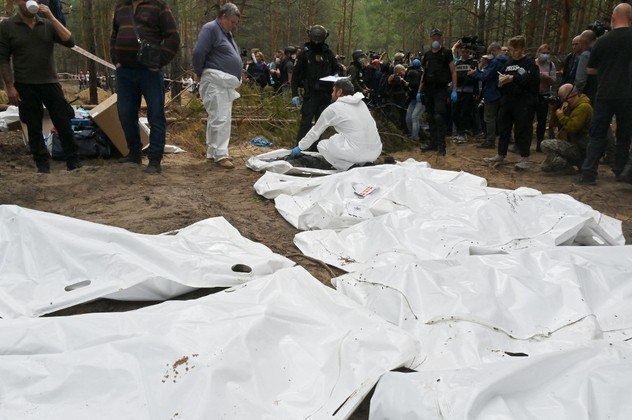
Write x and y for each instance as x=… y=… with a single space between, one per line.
x=574 y=123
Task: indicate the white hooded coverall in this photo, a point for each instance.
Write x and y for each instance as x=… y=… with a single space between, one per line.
x=357 y=140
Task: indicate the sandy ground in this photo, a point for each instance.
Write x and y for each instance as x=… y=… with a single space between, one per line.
x=191 y=189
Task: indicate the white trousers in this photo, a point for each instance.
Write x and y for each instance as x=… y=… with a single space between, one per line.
x=217 y=90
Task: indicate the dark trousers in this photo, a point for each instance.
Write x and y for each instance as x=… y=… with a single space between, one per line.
x=131 y=85
x=314 y=103
x=463 y=112
x=542 y=113
x=601 y=118
x=517 y=112
x=435 y=99
x=31 y=113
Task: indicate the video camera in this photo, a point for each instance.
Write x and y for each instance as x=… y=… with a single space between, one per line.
x=473 y=44
x=599 y=28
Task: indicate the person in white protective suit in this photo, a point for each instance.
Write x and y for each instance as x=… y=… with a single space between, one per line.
x=357 y=140
x=217 y=64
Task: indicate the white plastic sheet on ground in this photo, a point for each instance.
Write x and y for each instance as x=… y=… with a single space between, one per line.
x=333 y=202
x=9 y=116
x=587 y=382
x=50 y=262
x=499 y=223
x=483 y=309
x=279 y=347
x=269 y=162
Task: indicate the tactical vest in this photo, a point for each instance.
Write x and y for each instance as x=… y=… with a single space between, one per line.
x=437 y=67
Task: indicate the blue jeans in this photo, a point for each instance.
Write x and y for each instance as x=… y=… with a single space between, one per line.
x=601 y=118
x=131 y=85
x=412 y=118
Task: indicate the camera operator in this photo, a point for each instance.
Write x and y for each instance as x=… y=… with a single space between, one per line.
x=467 y=89
x=415 y=107
x=611 y=60
x=356 y=72
x=572 y=120
x=398 y=88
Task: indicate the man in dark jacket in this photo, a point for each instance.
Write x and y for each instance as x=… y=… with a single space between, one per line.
x=155 y=24
x=314 y=62
x=32 y=82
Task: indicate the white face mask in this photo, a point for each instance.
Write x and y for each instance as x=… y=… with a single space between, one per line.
x=544 y=58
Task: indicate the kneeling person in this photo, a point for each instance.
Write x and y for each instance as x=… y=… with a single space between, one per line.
x=357 y=140
x=572 y=120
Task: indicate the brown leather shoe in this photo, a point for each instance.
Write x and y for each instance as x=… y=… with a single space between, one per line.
x=226 y=164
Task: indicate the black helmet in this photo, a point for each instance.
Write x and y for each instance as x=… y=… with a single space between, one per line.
x=358 y=54
x=289 y=50
x=317 y=34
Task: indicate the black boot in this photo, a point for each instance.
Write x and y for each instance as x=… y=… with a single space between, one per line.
x=486 y=145
x=73 y=163
x=132 y=157
x=43 y=167
x=626 y=173
x=153 y=167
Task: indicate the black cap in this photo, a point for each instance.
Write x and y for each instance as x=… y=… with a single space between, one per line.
x=435 y=31
x=289 y=50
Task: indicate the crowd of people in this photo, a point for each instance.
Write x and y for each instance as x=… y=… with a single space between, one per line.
x=499 y=94
x=495 y=93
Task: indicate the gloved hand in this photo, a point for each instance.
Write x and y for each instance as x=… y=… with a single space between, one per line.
x=296 y=152
x=420 y=96
x=453 y=96
x=296 y=101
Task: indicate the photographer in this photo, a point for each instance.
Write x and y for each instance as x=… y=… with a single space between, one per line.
x=572 y=120
x=398 y=88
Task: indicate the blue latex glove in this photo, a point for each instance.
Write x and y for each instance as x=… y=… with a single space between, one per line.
x=296 y=152
x=420 y=96
x=296 y=101
x=453 y=96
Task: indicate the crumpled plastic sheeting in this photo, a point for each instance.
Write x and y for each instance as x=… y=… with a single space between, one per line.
x=279 y=347
x=332 y=202
x=267 y=162
x=481 y=309
x=9 y=116
x=500 y=223
x=587 y=382
x=50 y=262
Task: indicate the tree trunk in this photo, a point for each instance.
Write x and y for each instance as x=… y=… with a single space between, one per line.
x=564 y=24
x=349 y=50
x=175 y=67
x=88 y=21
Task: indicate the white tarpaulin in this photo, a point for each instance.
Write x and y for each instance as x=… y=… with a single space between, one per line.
x=483 y=309
x=499 y=223
x=593 y=381
x=344 y=199
x=50 y=262
x=280 y=347
x=272 y=162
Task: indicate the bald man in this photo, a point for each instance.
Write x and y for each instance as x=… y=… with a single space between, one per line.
x=586 y=83
x=571 y=121
x=611 y=61
x=571 y=60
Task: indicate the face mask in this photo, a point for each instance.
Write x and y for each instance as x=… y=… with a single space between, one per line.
x=293 y=56
x=435 y=44
x=544 y=57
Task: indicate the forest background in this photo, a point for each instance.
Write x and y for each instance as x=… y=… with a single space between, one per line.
x=377 y=25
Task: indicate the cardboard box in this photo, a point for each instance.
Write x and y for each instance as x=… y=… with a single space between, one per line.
x=105 y=115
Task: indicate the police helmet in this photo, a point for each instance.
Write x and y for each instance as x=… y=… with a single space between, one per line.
x=317 y=34
x=289 y=50
x=357 y=55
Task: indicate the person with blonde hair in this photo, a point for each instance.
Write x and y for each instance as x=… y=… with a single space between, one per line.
x=519 y=82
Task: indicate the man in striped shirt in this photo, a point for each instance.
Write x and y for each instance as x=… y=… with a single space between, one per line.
x=155 y=24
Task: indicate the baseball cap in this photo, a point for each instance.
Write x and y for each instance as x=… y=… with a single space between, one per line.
x=435 y=31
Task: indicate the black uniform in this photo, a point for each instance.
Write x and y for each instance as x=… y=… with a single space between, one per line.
x=437 y=75
x=467 y=88
x=314 y=62
x=286 y=66
x=517 y=104
x=356 y=74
